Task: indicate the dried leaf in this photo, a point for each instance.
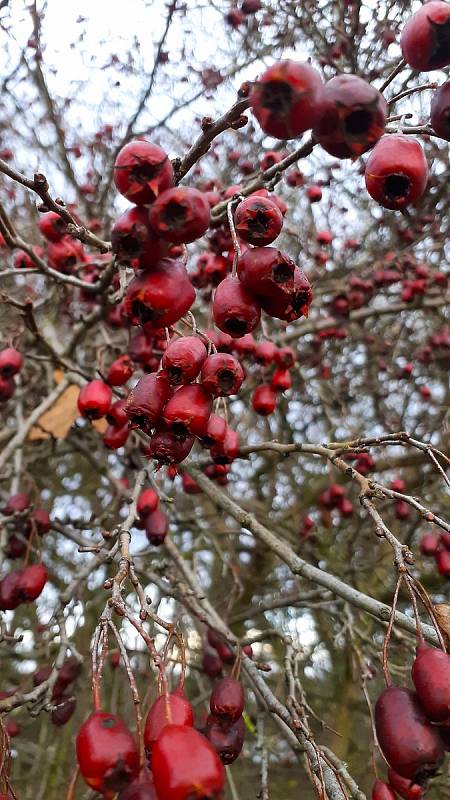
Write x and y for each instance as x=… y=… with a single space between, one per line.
x=442 y=614
x=58 y=419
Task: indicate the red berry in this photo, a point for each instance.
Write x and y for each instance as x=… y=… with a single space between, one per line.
x=190 y=486
x=251 y=6
x=352 y=116
x=156 y=527
x=227 y=739
x=418 y=755
x=314 y=194
x=212 y=664
x=12 y=728
x=216 y=431
x=115 y=437
x=187 y=412
x=258 y=220
x=168 y=709
x=396 y=172
x=7 y=387
x=185 y=766
x=285 y=99
x=431 y=677
x=39 y=521
x=281 y=380
x=32 y=580
x=120 y=371
x=148 y=501
x=402 y=509
x=69 y=672
x=167 y=448
x=139 y=790
x=381 y=791
x=445 y=540
x=289 y=306
x=23 y=261
x=235 y=310
x=107 y=754
x=94 y=400
x=440 y=111
x=146 y=401
x=404 y=787
x=140 y=349
x=183 y=359
x=142 y=171
x=425 y=39
x=265 y=353
x=9 y=591
x=398 y=485
x=262 y=270
x=17 y=503
x=222 y=375
x=429 y=544
x=132 y=239
x=245 y=345
x=11 y=362
x=180 y=215
x=117 y=415
x=63 y=711
x=52 y=226
x=264 y=400
x=159 y=298
x=227 y=700
x=65 y=254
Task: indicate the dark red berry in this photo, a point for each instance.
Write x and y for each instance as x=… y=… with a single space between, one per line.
x=168 y=709
x=212 y=664
x=120 y=371
x=147 y=502
x=146 y=401
x=156 y=527
x=188 y=411
x=381 y=791
x=443 y=562
x=404 y=787
x=180 y=215
x=225 y=452
x=440 y=111
x=418 y=755
x=94 y=400
x=185 y=766
x=139 y=790
x=281 y=380
x=227 y=739
x=133 y=240
x=9 y=591
x=285 y=357
x=107 y=753
x=32 y=580
x=431 y=677
x=115 y=437
x=7 y=387
x=52 y=226
x=142 y=171
x=222 y=375
x=293 y=305
x=63 y=711
x=16 y=504
x=159 y=298
x=352 y=116
x=425 y=39
x=285 y=99
x=264 y=400
x=262 y=270
x=117 y=415
x=11 y=362
x=258 y=220
x=227 y=699
x=429 y=544
x=216 y=431
x=168 y=448
x=183 y=359
x=235 y=310
x=39 y=521
x=396 y=172
x=64 y=255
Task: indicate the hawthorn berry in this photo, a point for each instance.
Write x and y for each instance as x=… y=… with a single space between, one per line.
x=65 y=254
x=63 y=711
x=156 y=527
x=7 y=387
x=133 y=240
x=440 y=111
x=429 y=544
x=52 y=226
x=180 y=215
x=227 y=739
x=117 y=415
x=235 y=310
x=142 y=171
x=183 y=359
x=94 y=400
x=431 y=677
x=168 y=709
x=258 y=220
x=227 y=700
x=264 y=400
x=32 y=580
x=188 y=410
x=425 y=39
x=285 y=99
x=442 y=558
x=352 y=116
x=222 y=375
x=120 y=371
x=226 y=451
x=115 y=437
x=404 y=787
x=145 y=403
x=147 y=502
x=289 y=306
x=261 y=270
x=11 y=362
x=215 y=432
x=167 y=448
x=107 y=753
x=396 y=172
x=159 y=298
x=185 y=766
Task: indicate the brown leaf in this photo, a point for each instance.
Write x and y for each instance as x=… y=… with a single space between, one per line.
x=442 y=614
x=58 y=419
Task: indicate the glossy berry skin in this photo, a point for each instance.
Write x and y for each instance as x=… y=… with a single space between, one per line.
x=170 y=709
x=262 y=270
x=187 y=412
x=156 y=527
x=420 y=754
x=117 y=416
x=167 y=448
x=142 y=171
x=227 y=700
x=440 y=111
x=281 y=380
x=222 y=375
x=159 y=298
x=285 y=99
x=185 y=766
x=227 y=739
x=293 y=305
x=183 y=359
x=31 y=582
x=431 y=677
x=180 y=215
x=396 y=172
x=425 y=39
x=115 y=437
x=148 y=501
x=235 y=310
x=442 y=558
x=146 y=401
x=258 y=220
x=94 y=400
x=11 y=362
x=134 y=241
x=120 y=371
x=52 y=226
x=381 y=791
x=225 y=452
x=216 y=431
x=264 y=400
x=352 y=116
x=107 y=754
x=404 y=787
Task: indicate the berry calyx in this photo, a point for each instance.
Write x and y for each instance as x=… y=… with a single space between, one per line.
x=285 y=99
